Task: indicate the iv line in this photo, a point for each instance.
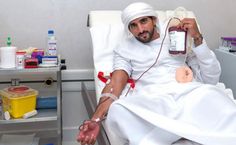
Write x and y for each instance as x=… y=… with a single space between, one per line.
x=162 y=42
x=156 y=60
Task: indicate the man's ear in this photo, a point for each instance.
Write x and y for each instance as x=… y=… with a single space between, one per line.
x=154 y=19
x=155 y=23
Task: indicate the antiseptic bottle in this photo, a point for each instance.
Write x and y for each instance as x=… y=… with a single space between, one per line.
x=52 y=44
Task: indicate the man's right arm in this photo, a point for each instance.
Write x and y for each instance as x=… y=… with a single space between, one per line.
x=89 y=129
x=115 y=87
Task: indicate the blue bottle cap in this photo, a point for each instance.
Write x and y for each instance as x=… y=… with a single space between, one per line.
x=50 y=32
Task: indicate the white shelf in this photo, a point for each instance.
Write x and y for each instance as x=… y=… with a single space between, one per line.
x=40 y=69
x=43 y=115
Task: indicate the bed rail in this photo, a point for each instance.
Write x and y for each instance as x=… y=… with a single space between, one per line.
x=89 y=98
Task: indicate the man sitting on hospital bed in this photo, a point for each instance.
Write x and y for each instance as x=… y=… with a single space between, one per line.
x=162 y=109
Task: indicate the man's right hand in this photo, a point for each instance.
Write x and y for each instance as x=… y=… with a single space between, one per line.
x=88 y=132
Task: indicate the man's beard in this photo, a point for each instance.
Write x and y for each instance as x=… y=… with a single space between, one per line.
x=149 y=36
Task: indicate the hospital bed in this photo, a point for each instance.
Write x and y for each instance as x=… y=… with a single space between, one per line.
x=106 y=30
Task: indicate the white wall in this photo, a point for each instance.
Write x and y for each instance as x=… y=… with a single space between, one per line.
x=27 y=22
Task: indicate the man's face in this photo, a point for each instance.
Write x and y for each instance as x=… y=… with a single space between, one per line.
x=143 y=29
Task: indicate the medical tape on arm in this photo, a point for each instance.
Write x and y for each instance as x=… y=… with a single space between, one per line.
x=110 y=95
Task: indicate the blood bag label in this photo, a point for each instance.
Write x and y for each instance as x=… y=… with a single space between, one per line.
x=177 y=41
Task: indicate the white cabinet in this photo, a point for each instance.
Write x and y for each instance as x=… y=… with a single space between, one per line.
x=48 y=122
x=228 y=68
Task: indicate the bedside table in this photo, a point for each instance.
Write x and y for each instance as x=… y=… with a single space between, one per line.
x=228 y=68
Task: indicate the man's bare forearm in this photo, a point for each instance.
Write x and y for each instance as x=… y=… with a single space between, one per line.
x=115 y=87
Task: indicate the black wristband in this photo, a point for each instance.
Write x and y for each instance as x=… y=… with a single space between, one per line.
x=198 y=40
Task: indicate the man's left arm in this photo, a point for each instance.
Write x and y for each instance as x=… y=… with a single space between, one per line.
x=203 y=62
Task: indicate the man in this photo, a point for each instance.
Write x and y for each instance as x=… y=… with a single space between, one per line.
x=161 y=109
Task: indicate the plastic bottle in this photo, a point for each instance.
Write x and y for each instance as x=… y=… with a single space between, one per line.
x=52 y=44
x=20 y=59
x=30 y=114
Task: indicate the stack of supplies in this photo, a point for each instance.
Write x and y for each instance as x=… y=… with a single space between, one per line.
x=228 y=44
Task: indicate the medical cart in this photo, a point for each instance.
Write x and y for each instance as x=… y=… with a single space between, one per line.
x=48 y=122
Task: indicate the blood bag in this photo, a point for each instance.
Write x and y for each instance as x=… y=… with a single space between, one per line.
x=178 y=39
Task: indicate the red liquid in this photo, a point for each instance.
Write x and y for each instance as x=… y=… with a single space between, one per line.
x=178 y=39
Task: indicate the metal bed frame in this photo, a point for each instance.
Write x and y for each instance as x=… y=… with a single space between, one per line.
x=90 y=101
